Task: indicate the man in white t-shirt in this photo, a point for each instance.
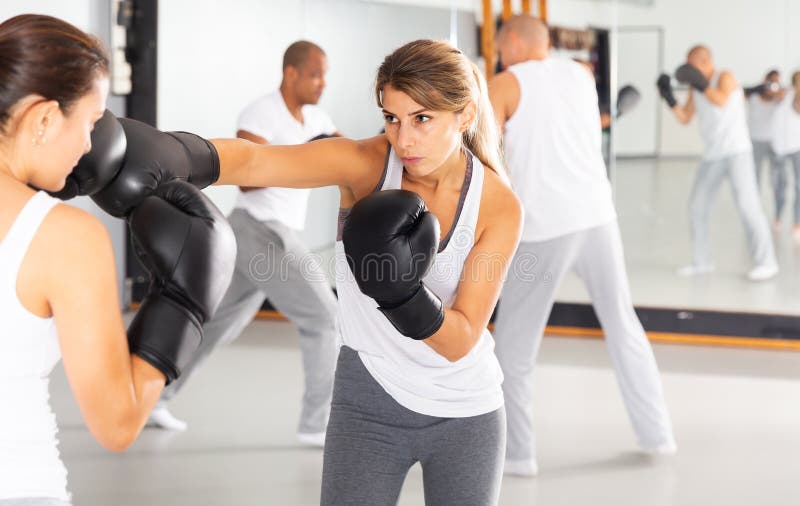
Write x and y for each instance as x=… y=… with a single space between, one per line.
x=272 y=261
x=548 y=111
x=718 y=99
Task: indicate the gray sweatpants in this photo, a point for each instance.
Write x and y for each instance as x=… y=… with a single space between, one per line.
x=762 y=150
x=527 y=297
x=781 y=182
x=710 y=175
x=373 y=441
x=272 y=262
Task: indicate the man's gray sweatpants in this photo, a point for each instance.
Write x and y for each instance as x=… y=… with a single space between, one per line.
x=273 y=263
x=526 y=300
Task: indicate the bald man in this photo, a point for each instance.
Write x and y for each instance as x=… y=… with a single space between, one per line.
x=272 y=261
x=548 y=111
x=719 y=102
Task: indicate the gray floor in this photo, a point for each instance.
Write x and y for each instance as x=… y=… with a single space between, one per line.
x=736 y=412
x=652 y=197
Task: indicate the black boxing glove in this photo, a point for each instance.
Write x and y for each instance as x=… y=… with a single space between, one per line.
x=98 y=167
x=691 y=75
x=130 y=159
x=390 y=241
x=186 y=245
x=665 y=90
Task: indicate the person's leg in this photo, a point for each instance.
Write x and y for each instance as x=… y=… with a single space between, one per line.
x=778 y=178
x=761 y=150
x=367 y=449
x=525 y=303
x=462 y=460
x=302 y=292
x=601 y=265
x=795 y=157
x=740 y=172
x=706 y=186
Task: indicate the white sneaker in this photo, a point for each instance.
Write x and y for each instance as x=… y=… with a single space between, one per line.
x=762 y=272
x=695 y=270
x=161 y=418
x=662 y=449
x=316 y=439
x=524 y=468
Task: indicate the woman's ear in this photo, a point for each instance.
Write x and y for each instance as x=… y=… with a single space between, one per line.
x=43 y=115
x=467 y=116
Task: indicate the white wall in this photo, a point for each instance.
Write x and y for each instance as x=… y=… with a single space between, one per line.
x=212 y=61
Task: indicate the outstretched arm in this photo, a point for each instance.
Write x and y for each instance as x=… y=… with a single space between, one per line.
x=327 y=162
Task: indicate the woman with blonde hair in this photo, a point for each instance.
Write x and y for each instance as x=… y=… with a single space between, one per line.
x=417 y=379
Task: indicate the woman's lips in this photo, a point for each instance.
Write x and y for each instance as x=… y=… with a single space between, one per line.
x=410 y=160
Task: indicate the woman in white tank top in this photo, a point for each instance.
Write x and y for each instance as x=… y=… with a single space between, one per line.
x=58 y=293
x=392 y=393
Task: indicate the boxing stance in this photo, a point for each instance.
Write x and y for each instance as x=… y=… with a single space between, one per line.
x=762 y=103
x=428 y=224
x=719 y=102
x=58 y=293
x=547 y=109
x=416 y=380
x=786 y=145
x=266 y=223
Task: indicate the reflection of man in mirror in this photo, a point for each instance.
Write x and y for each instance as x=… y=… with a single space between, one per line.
x=786 y=144
x=548 y=111
x=762 y=102
x=719 y=101
x=272 y=259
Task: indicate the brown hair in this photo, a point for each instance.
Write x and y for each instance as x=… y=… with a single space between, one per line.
x=43 y=55
x=439 y=77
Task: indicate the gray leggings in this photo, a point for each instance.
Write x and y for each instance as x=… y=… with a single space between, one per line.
x=373 y=441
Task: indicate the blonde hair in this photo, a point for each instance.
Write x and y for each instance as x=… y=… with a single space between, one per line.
x=439 y=77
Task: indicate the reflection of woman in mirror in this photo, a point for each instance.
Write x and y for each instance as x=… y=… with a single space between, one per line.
x=548 y=110
x=762 y=102
x=719 y=102
x=786 y=143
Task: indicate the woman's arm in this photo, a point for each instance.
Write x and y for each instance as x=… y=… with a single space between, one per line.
x=115 y=390
x=483 y=276
x=328 y=162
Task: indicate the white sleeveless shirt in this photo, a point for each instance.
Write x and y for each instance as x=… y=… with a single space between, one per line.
x=723 y=129
x=29 y=461
x=410 y=371
x=553 y=150
x=759 y=117
x=786 y=127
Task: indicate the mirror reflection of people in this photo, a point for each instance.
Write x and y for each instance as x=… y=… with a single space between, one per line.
x=718 y=100
x=548 y=110
x=786 y=144
x=272 y=262
x=762 y=102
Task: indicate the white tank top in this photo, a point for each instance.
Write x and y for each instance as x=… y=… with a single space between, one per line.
x=723 y=129
x=759 y=117
x=553 y=150
x=410 y=371
x=29 y=461
x=786 y=127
